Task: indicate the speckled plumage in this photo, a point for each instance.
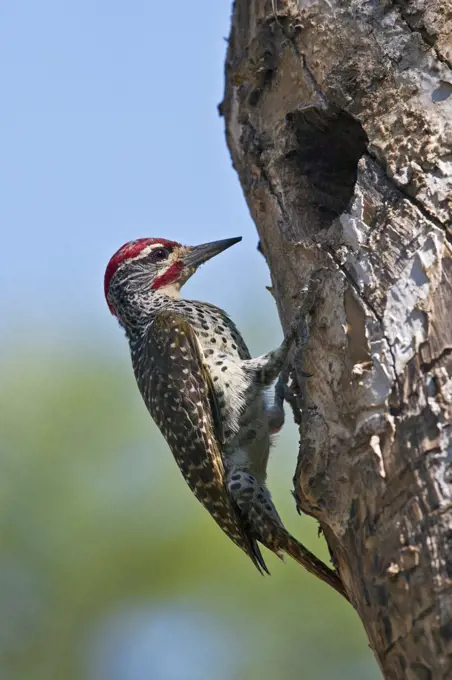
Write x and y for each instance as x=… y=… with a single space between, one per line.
x=205 y=393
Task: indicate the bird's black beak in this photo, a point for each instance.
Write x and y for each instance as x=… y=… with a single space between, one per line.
x=197 y=255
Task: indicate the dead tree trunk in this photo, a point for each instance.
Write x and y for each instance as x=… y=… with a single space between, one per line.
x=339 y=122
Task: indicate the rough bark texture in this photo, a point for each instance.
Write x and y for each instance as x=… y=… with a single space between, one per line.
x=339 y=122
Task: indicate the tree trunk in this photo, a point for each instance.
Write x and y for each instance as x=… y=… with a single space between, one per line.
x=339 y=122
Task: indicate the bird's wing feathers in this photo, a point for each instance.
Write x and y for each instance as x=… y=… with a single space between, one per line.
x=177 y=388
x=242 y=348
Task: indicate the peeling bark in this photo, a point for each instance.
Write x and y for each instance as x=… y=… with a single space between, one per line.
x=339 y=122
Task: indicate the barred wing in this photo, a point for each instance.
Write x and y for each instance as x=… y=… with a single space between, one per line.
x=178 y=391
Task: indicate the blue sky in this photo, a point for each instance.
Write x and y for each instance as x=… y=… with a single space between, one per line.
x=110 y=131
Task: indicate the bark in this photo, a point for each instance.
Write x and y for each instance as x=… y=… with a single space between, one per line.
x=339 y=122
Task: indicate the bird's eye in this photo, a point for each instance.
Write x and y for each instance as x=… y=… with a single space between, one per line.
x=159 y=254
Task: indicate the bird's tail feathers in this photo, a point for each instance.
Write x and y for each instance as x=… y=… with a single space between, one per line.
x=310 y=562
x=276 y=538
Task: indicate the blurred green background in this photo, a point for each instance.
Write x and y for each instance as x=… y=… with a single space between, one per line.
x=109 y=568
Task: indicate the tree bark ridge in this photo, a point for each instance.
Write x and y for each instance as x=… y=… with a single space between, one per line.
x=339 y=122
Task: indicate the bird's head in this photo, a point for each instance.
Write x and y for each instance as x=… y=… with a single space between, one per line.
x=141 y=268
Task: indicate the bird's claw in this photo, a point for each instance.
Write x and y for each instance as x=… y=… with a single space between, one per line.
x=297 y=503
x=281 y=387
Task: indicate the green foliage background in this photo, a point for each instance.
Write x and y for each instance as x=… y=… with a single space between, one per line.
x=111 y=570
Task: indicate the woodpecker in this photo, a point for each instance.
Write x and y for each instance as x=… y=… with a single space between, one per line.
x=205 y=392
